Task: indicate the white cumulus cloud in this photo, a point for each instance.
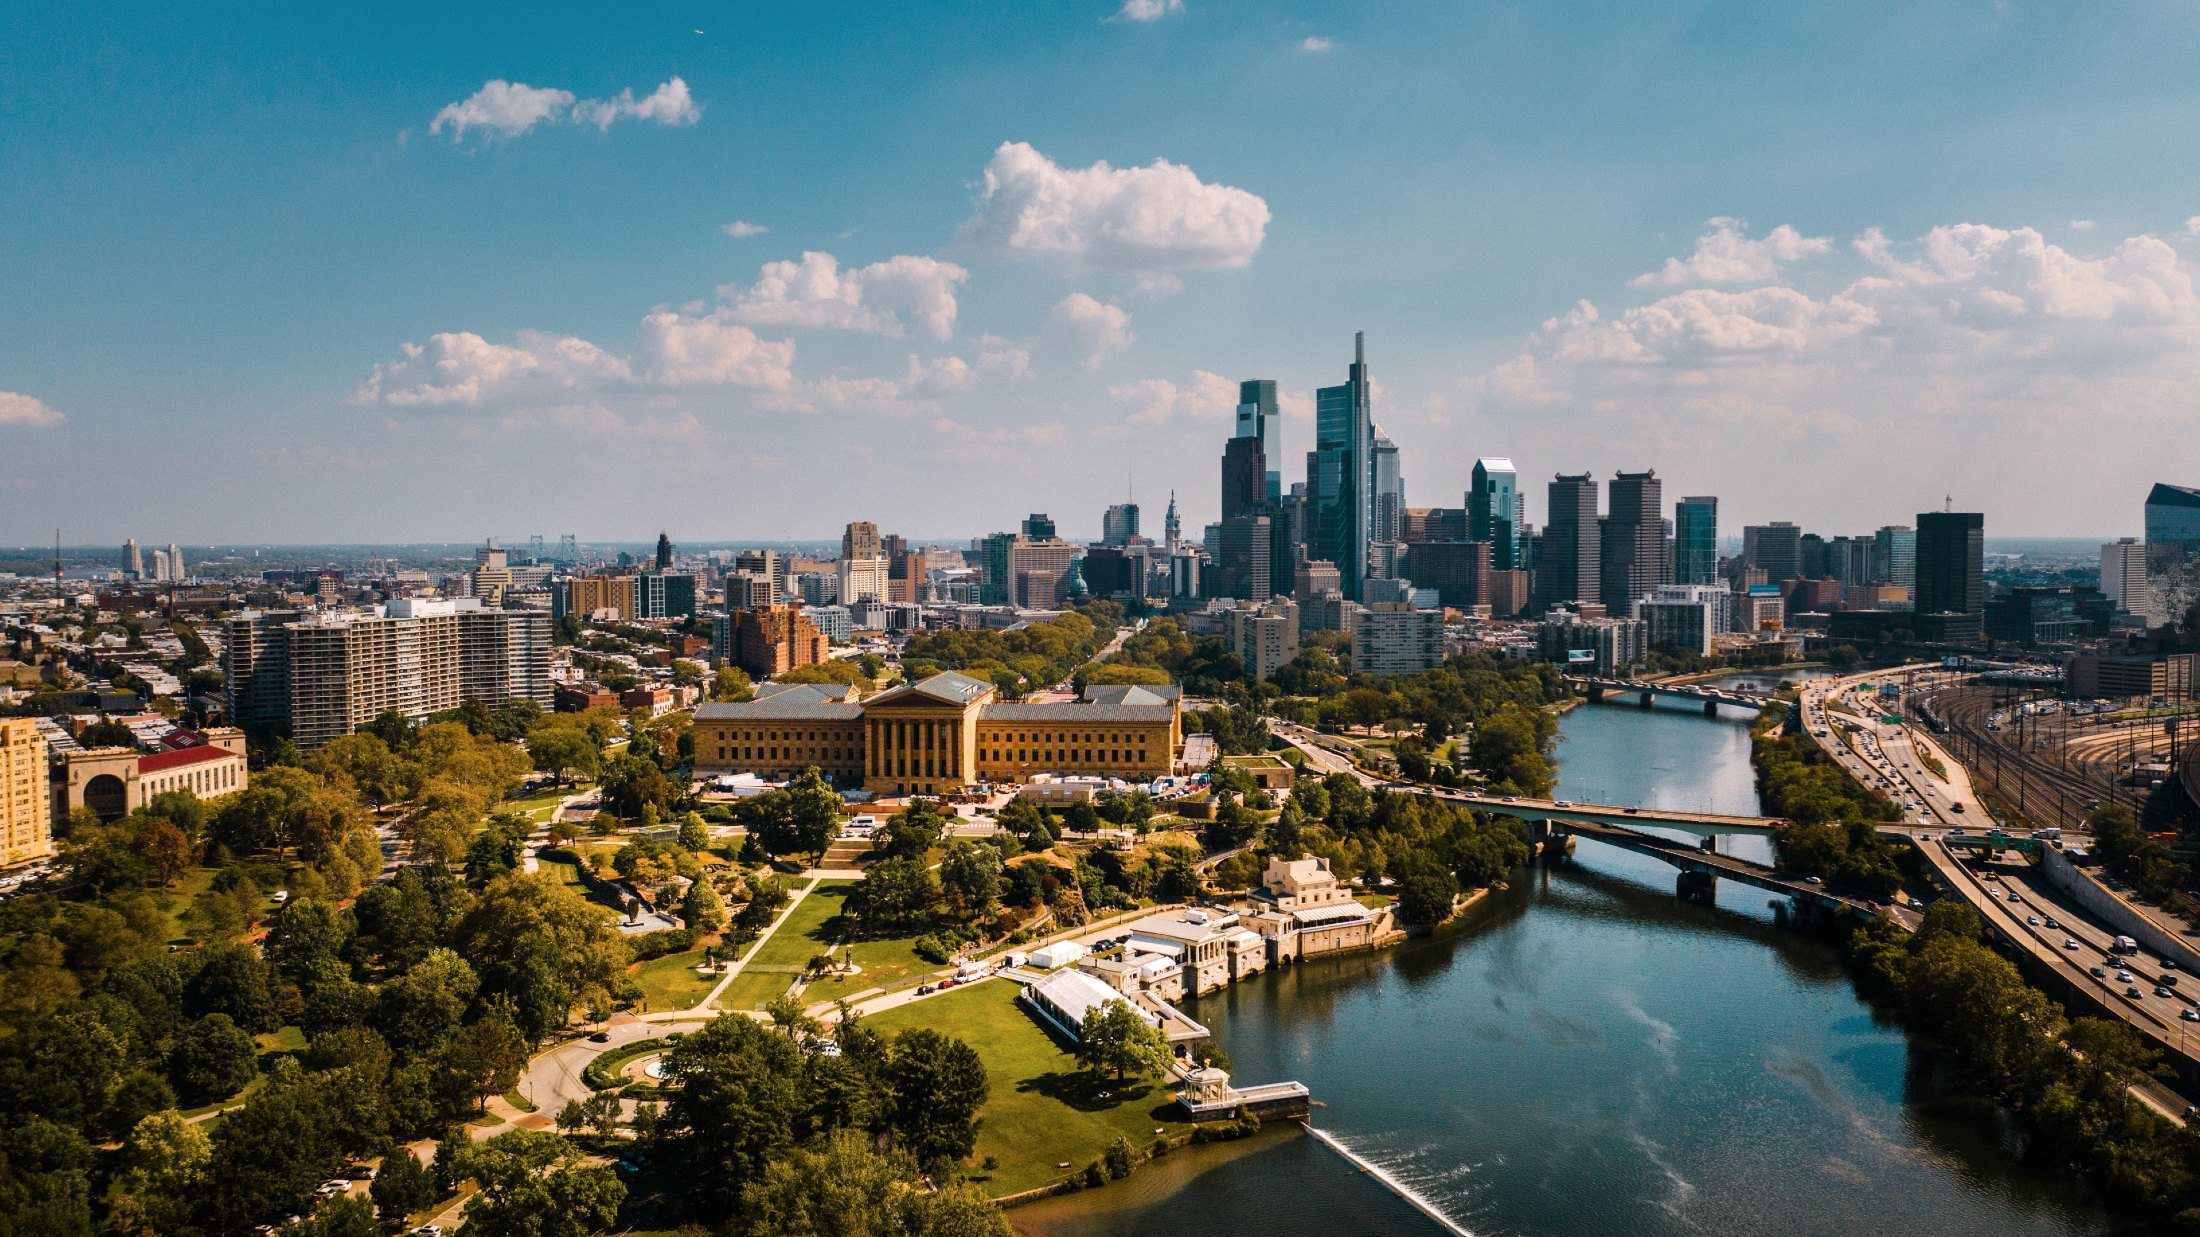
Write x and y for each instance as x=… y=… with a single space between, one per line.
x=27 y=411
x=1317 y=43
x=1157 y=218
x=884 y=298
x=742 y=228
x=1148 y=10
x=1153 y=401
x=1727 y=254
x=1096 y=329
x=502 y=109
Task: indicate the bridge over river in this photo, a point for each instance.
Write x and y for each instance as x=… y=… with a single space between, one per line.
x=1599 y=689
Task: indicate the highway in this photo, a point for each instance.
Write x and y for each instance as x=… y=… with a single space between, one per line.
x=2012 y=899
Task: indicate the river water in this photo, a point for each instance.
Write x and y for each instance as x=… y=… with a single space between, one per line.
x=1586 y=1054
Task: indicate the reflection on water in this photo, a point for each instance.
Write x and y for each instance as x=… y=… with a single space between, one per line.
x=1586 y=1054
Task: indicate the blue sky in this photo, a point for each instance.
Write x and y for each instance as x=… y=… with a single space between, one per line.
x=1829 y=262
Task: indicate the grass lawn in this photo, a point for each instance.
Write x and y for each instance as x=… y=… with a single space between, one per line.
x=1374 y=901
x=283 y=1039
x=801 y=937
x=179 y=896
x=1044 y=1108
x=538 y=806
x=671 y=982
x=564 y=869
x=755 y=989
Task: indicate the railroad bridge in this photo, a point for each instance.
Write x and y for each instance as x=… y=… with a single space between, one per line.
x=1598 y=689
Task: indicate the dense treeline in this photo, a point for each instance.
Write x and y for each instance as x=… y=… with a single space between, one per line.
x=1032 y=656
x=1833 y=829
x=2069 y=1081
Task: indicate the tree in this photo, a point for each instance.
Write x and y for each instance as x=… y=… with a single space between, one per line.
x=970 y=877
x=1426 y=889
x=563 y=751
x=631 y=783
x=165 y=849
x=403 y=1185
x=164 y=1162
x=937 y=1086
x=537 y=1185
x=213 y=1059
x=533 y=938
x=840 y=1186
x=737 y=1099
x=1115 y=1038
x=342 y=1216
x=1511 y=748
x=232 y=979
x=701 y=908
x=896 y=895
x=694 y=834
x=731 y=684
x=479 y=1060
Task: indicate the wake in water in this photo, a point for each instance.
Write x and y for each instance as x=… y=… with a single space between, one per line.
x=1412 y=1196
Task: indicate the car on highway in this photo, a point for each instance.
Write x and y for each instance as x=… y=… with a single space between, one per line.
x=2052 y=924
x=2033 y=920
x=2134 y=994
x=2165 y=993
x=2070 y=944
x=2097 y=972
x=2189 y=1014
x=2123 y=977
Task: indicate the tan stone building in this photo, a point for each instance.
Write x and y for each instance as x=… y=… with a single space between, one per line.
x=942 y=735
x=26 y=822
x=1303 y=912
x=115 y=781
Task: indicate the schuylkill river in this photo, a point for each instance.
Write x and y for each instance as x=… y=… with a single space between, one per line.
x=1586 y=1054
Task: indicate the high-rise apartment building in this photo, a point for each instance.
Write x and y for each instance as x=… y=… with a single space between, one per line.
x=1393 y=639
x=665 y=595
x=2124 y=575
x=1951 y=562
x=1259 y=419
x=1696 y=540
x=26 y=805
x=664 y=551
x=587 y=596
x=1495 y=512
x=1685 y=616
x=133 y=560
x=1568 y=566
x=861 y=540
x=770 y=641
x=1894 y=556
x=1631 y=541
x=862 y=579
x=1459 y=571
x=1265 y=637
x=318 y=675
x=770 y=566
x=1340 y=473
x=1775 y=548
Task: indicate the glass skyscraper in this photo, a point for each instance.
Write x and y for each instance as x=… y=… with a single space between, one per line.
x=1493 y=511
x=1257 y=417
x=1696 y=540
x=1338 y=474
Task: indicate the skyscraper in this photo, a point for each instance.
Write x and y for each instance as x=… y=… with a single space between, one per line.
x=1120 y=524
x=1951 y=562
x=1259 y=419
x=1894 y=555
x=1493 y=510
x=664 y=552
x=1242 y=564
x=1631 y=541
x=861 y=540
x=2124 y=575
x=1385 y=516
x=133 y=560
x=1339 y=472
x=1696 y=540
x=1244 y=477
x=1039 y=526
x=1567 y=568
x=1777 y=548
x=1172 y=527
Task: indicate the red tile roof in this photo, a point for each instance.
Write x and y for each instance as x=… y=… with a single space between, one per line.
x=177 y=759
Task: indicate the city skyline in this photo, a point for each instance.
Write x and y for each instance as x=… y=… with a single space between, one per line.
x=508 y=256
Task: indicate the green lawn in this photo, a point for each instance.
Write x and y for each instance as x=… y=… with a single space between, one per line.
x=1044 y=1108
x=800 y=938
x=565 y=870
x=538 y=806
x=671 y=982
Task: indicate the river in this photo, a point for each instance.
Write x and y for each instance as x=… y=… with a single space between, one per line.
x=1586 y=1054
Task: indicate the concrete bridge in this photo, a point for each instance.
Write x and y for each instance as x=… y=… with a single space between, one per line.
x=1597 y=689
x=1561 y=811
x=1700 y=867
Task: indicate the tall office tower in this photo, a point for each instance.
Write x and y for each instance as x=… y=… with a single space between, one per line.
x=492 y=575
x=1776 y=548
x=665 y=594
x=748 y=590
x=1894 y=556
x=1242 y=560
x=767 y=564
x=863 y=579
x=175 y=563
x=1631 y=543
x=860 y=540
x=996 y=587
x=1244 y=478
x=1493 y=511
x=1258 y=419
x=1696 y=540
x=2173 y=550
x=905 y=577
x=26 y=804
x=1119 y=524
x=1951 y=562
x=1385 y=520
x=664 y=552
x=1339 y=473
x=1849 y=560
x=892 y=544
x=318 y=675
x=1039 y=526
x=1567 y=565
x=133 y=560
x=2124 y=575
x=1172 y=527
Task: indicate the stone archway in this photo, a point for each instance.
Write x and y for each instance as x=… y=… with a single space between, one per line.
x=106 y=795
